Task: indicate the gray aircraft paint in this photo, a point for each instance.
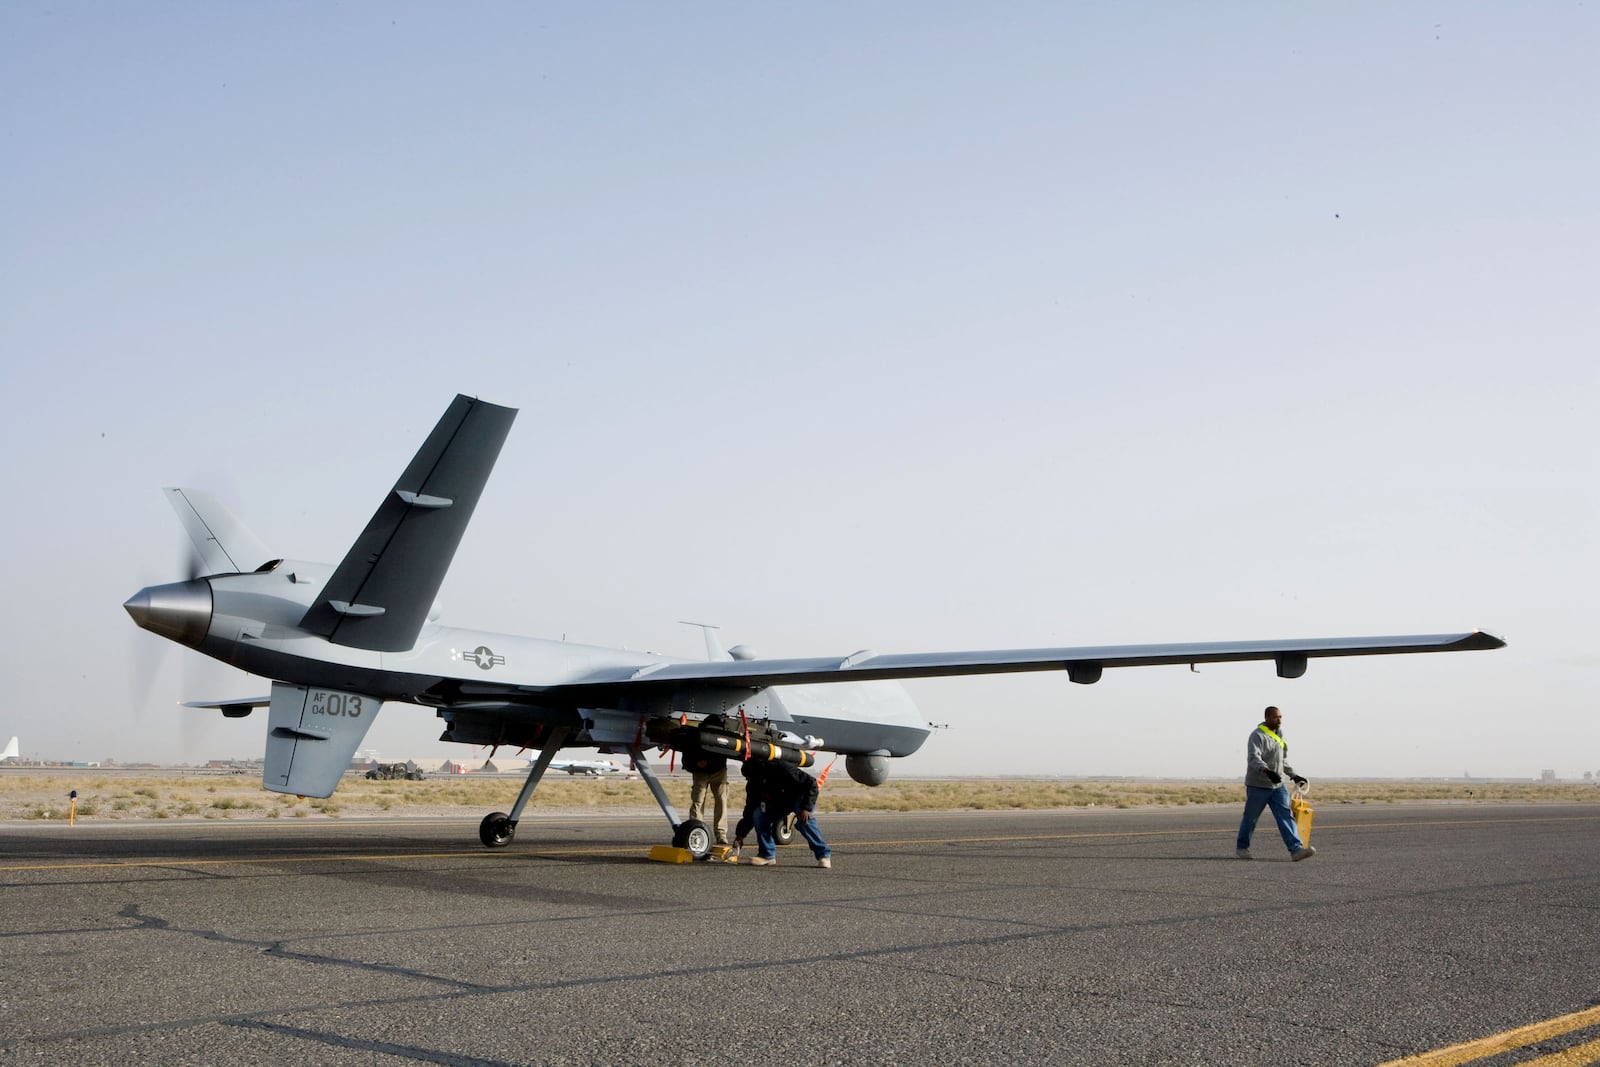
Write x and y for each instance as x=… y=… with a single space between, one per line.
x=362 y=631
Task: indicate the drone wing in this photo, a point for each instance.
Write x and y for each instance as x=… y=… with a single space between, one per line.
x=379 y=596
x=1081 y=664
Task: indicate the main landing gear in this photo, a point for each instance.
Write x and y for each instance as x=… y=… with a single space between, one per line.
x=499 y=827
x=691 y=834
x=695 y=836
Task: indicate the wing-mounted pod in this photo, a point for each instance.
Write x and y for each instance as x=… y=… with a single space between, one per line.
x=232 y=709
x=381 y=592
x=870 y=768
x=1291 y=665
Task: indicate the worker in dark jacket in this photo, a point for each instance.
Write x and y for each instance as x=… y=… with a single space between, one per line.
x=773 y=791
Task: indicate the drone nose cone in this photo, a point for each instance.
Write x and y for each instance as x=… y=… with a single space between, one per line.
x=180 y=612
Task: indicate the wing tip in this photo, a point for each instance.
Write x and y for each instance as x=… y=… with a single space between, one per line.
x=1483 y=640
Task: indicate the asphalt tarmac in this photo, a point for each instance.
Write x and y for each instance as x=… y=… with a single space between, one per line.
x=1079 y=937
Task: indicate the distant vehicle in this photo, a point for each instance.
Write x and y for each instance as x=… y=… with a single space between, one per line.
x=384 y=772
x=339 y=641
x=12 y=751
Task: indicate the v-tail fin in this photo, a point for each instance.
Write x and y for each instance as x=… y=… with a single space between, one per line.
x=222 y=542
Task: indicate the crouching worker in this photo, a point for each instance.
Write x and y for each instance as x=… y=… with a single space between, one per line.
x=773 y=791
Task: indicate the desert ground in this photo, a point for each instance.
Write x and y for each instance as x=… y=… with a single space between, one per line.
x=104 y=795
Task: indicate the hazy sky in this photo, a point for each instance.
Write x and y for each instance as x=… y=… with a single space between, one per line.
x=903 y=326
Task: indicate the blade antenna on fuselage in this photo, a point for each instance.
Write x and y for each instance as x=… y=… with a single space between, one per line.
x=714 y=649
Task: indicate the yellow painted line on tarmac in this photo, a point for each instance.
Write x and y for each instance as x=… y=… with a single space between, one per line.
x=547 y=852
x=1229 y=831
x=1494 y=1044
x=179 y=861
x=1577 y=1056
x=628 y=849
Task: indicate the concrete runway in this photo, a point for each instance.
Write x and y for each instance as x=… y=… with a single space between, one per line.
x=1092 y=937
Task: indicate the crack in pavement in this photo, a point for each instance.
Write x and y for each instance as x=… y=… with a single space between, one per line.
x=276 y=949
x=410 y=1052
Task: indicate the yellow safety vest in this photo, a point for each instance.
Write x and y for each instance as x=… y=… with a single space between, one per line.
x=1264 y=728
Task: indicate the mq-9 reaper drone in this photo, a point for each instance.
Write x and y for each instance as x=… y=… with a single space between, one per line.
x=338 y=642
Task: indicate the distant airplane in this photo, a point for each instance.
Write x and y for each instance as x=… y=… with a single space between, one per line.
x=339 y=641
x=12 y=751
x=590 y=768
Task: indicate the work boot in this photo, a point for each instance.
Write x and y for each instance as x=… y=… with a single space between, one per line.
x=1244 y=854
x=762 y=861
x=1302 y=853
x=825 y=862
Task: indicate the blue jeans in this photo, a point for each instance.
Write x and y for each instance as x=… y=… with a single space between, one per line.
x=1277 y=798
x=767 y=845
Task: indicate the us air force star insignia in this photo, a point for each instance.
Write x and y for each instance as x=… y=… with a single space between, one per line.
x=484 y=657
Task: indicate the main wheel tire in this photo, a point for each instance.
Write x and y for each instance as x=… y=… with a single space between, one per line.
x=695 y=836
x=496 y=830
x=783 y=833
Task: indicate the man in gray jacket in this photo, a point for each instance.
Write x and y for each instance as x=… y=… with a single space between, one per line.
x=1265 y=768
